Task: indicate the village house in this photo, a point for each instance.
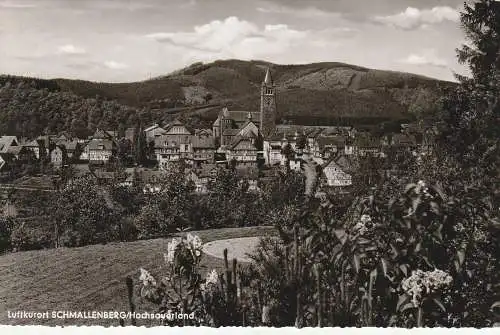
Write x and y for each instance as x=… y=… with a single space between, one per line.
x=367 y=145
x=335 y=175
x=6 y=142
x=243 y=151
x=203 y=150
x=404 y=142
x=326 y=147
x=172 y=148
x=99 y=151
x=153 y=131
x=58 y=156
x=201 y=177
x=35 y=147
x=21 y=153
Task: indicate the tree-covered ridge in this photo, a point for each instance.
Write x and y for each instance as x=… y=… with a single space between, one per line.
x=319 y=94
x=29 y=111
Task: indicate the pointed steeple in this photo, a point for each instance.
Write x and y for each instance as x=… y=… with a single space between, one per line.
x=268 y=80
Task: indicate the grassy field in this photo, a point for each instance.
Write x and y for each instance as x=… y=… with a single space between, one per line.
x=90 y=278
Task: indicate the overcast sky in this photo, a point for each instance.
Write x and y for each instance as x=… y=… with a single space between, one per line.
x=129 y=40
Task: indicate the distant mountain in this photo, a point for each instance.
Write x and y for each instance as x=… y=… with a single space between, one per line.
x=318 y=93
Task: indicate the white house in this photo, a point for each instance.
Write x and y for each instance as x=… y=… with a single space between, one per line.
x=335 y=176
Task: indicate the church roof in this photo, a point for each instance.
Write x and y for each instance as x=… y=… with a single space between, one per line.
x=268 y=79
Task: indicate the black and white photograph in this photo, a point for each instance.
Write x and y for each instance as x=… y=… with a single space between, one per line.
x=250 y=163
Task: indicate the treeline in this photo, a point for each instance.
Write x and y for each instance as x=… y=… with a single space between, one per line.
x=31 y=108
x=85 y=212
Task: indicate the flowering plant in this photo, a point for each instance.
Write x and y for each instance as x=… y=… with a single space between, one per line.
x=178 y=291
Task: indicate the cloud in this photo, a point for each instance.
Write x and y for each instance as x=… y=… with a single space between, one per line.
x=427 y=57
x=111 y=64
x=306 y=12
x=16 y=5
x=414 y=18
x=233 y=37
x=70 y=49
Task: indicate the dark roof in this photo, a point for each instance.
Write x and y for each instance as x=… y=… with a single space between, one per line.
x=338 y=141
x=240 y=117
x=203 y=142
x=404 y=140
x=347 y=163
x=81 y=169
x=172 y=140
x=69 y=145
x=96 y=143
x=367 y=141
x=237 y=140
x=231 y=132
x=33 y=143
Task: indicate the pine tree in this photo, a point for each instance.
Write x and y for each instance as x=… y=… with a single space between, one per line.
x=140 y=145
x=472 y=111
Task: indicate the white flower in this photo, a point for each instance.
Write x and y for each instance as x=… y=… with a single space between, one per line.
x=421 y=183
x=423 y=189
x=146 y=278
x=420 y=283
x=212 y=278
x=365 y=218
x=362 y=226
x=194 y=241
x=169 y=256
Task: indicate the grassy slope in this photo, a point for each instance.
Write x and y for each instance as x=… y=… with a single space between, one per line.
x=87 y=278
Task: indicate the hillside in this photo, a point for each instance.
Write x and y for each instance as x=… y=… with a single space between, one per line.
x=90 y=278
x=319 y=93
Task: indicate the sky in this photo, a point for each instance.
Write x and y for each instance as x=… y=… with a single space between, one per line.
x=133 y=40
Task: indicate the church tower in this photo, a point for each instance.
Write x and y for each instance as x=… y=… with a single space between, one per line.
x=268 y=105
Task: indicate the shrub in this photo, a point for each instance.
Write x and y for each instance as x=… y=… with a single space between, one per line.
x=26 y=236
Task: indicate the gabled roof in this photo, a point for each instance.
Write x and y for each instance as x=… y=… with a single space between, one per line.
x=33 y=143
x=15 y=150
x=6 y=142
x=231 y=132
x=239 y=117
x=203 y=142
x=338 y=141
x=96 y=143
x=331 y=164
x=404 y=140
x=171 y=140
x=237 y=140
x=69 y=145
x=177 y=123
x=346 y=163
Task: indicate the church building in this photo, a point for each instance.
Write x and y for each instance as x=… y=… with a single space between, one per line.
x=234 y=125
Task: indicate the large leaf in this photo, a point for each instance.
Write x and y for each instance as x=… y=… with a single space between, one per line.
x=440 y=304
x=356 y=262
x=409 y=188
x=461 y=256
x=404 y=269
x=341 y=235
x=403 y=302
x=385 y=266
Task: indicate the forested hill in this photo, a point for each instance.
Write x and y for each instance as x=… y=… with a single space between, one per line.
x=319 y=93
